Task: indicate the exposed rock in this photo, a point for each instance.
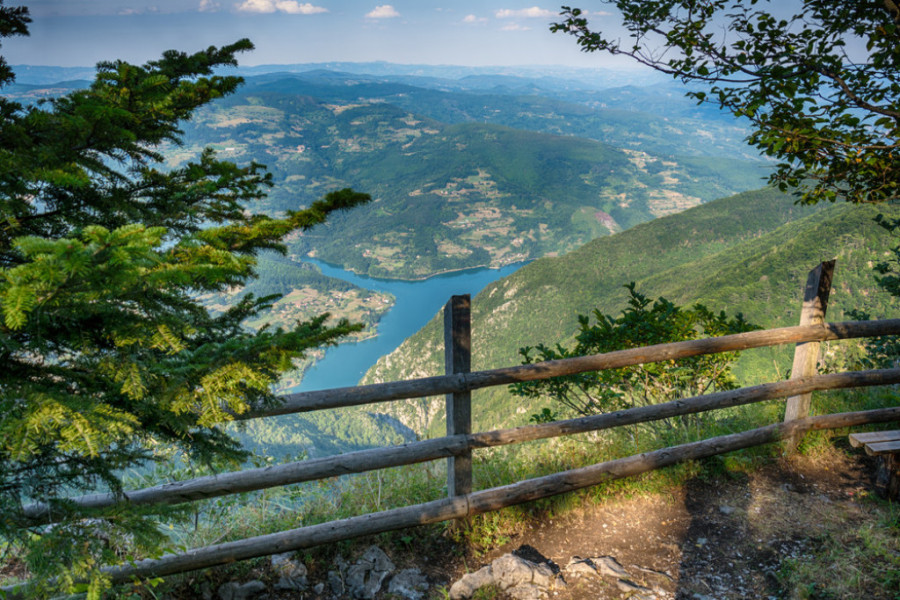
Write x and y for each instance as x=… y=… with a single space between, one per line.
x=318 y=589
x=286 y=565
x=408 y=583
x=237 y=591
x=653 y=572
x=609 y=566
x=292 y=573
x=580 y=566
x=625 y=585
x=364 y=578
x=290 y=584
x=337 y=577
x=520 y=578
x=527 y=591
x=605 y=566
x=510 y=570
x=471 y=582
x=336 y=582
x=726 y=510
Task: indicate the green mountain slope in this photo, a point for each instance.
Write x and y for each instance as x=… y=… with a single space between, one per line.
x=656 y=119
x=448 y=196
x=748 y=253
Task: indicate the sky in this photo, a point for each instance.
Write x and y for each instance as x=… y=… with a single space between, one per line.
x=453 y=32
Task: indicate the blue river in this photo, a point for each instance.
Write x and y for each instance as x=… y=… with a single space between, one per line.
x=416 y=303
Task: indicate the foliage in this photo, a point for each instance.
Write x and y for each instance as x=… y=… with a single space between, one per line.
x=642 y=323
x=884 y=352
x=821 y=87
x=460 y=194
x=749 y=253
x=109 y=359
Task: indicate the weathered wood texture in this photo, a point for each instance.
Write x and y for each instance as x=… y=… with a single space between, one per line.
x=248 y=480
x=879 y=448
x=446 y=384
x=483 y=501
x=806 y=355
x=365 y=460
x=858 y=439
x=457 y=360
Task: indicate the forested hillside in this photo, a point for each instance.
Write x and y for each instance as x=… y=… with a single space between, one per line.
x=474 y=171
x=749 y=253
x=504 y=179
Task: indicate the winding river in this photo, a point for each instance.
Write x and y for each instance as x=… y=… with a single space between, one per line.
x=416 y=303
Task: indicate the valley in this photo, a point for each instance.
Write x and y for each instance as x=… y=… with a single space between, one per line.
x=480 y=171
x=246 y=212
x=464 y=176
x=748 y=253
x=467 y=191
x=468 y=172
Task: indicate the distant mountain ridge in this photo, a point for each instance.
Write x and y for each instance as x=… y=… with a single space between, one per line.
x=483 y=170
x=589 y=78
x=457 y=193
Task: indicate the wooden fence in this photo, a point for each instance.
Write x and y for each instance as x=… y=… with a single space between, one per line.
x=458 y=444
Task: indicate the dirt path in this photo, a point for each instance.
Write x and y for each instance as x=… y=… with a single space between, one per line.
x=735 y=537
x=704 y=541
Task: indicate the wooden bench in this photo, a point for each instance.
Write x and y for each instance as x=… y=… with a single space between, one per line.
x=886 y=446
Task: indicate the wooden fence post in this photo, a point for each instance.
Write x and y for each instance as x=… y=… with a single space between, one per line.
x=458 y=359
x=806 y=354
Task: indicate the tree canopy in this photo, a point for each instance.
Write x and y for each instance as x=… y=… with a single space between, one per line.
x=109 y=358
x=819 y=80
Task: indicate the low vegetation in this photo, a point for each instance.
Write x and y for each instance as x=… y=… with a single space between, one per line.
x=856 y=541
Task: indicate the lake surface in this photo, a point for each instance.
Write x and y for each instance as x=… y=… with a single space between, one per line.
x=416 y=303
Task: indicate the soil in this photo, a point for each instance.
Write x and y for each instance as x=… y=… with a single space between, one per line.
x=722 y=540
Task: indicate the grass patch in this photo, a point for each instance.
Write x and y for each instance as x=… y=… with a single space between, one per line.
x=856 y=557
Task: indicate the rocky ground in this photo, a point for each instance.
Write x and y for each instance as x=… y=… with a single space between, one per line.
x=726 y=539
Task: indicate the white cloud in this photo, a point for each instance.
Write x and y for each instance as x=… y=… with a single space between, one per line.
x=208 y=6
x=533 y=12
x=295 y=8
x=383 y=11
x=288 y=6
x=473 y=19
x=260 y=6
x=514 y=27
x=127 y=12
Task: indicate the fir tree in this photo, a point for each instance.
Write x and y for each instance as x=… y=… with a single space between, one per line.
x=108 y=358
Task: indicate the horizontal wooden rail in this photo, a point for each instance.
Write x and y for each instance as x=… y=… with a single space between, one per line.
x=486 y=500
x=462 y=382
x=380 y=458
